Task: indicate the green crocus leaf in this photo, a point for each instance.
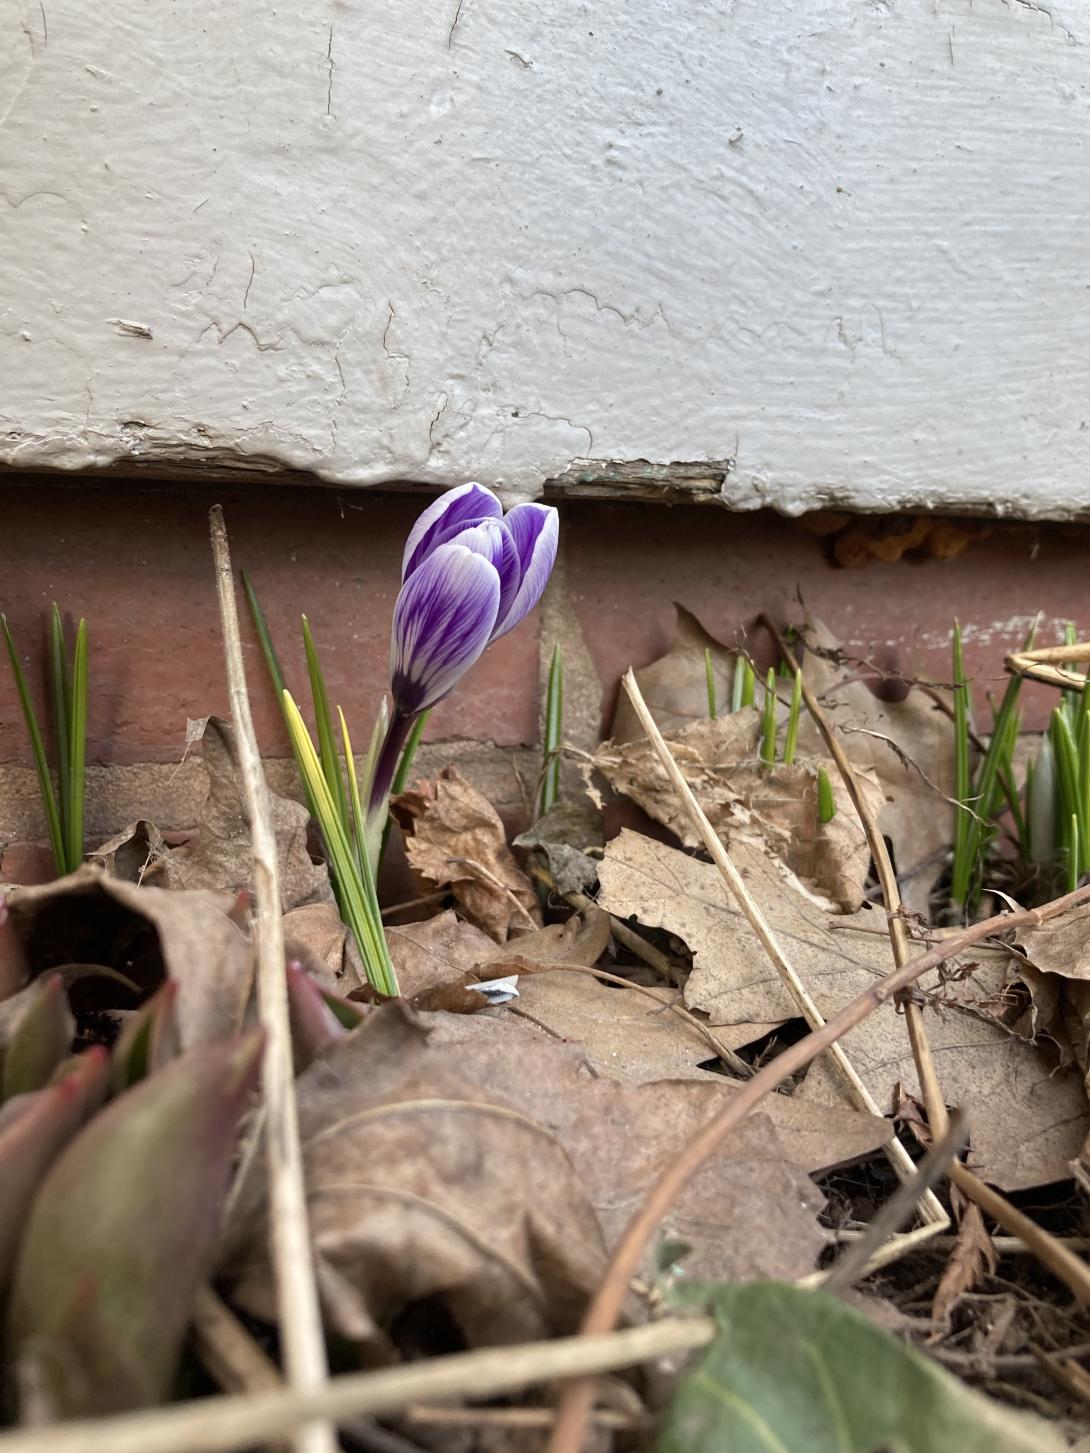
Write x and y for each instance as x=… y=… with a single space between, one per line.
x=794 y=1370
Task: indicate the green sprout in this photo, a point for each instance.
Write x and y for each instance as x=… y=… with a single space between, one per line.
x=554 y=731
x=63 y=806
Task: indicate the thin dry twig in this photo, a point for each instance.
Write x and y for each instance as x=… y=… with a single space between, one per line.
x=493 y=882
x=233 y=1359
x=297 y=1295
x=722 y=1051
x=220 y=1424
x=630 y=1250
x=653 y=957
x=895 y=1152
x=855 y=1261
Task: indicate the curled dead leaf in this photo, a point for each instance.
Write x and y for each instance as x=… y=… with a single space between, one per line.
x=455 y=838
x=146 y=935
x=777 y=805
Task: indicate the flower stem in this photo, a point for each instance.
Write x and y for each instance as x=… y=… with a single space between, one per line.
x=386 y=766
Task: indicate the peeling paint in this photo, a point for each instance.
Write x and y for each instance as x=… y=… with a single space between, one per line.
x=842 y=261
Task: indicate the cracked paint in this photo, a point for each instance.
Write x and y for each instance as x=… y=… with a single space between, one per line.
x=521 y=244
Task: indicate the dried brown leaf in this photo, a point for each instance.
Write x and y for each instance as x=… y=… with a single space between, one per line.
x=146 y=934
x=916 y=818
x=1027 y=1117
x=428 y=1190
x=675 y=686
x=454 y=838
x=750 y=1212
x=777 y=805
x=562 y=837
x=219 y=855
x=973 y=1257
x=624 y=1037
x=440 y=950
x=315 y=935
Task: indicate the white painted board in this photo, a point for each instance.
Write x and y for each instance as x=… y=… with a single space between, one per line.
x=840 y=248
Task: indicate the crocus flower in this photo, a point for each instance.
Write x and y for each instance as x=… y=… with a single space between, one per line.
x=469 y=574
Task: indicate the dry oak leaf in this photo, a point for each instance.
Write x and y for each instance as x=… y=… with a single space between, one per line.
x=427 y=1188
x=562 y=836
x=916 y=818
x=145 y=934
x=675 y=686
x=778 y=804
x=624 y=1037
x=751 y=1211
x=454 y=838
x=1028 y=1118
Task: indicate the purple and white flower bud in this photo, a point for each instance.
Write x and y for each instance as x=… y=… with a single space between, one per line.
x=469 y=575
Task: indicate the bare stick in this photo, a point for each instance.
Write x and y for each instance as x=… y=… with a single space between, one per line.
x=891 y=892
x=235 y=1361
x=898 y=1157
x=630 y=1250
x=854 y=1262
x=220 y=1424
x=297 y=1296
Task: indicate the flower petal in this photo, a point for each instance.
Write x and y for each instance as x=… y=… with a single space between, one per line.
x=493 y=540
x=443 y=620
x=535 y=530
x=468 y=504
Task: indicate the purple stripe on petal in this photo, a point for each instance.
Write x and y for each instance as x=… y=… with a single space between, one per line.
x=493 y=540
x=468 y=504
x=443 y=620
x=535 y=530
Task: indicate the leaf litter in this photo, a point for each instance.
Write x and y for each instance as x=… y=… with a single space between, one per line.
x=470 y=1169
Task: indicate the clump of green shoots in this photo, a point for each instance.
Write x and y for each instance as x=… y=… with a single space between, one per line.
x=335 y=795
x=743 y=690
x=63 y=805
x=1051 y=820
x=554 y=730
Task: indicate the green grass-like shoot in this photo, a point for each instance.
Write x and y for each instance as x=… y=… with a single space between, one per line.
x=554 y=728
x=709 y=681
x=1068 y=796
x=1041 y=803
x=41 y=764
x=73 y=789
x=748 y=694
x=1072 y=854
x=791 y=740
x=359 y=900
x=994 y=783
x=768 y=720
x=963 y=857
x=63 y=804
x=826 y=801
x=323 y=721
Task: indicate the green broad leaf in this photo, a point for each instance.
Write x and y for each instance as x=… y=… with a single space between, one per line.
x=122 y=1234
x=33 y=1130
x=795 y=1371
x=41 y=1040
